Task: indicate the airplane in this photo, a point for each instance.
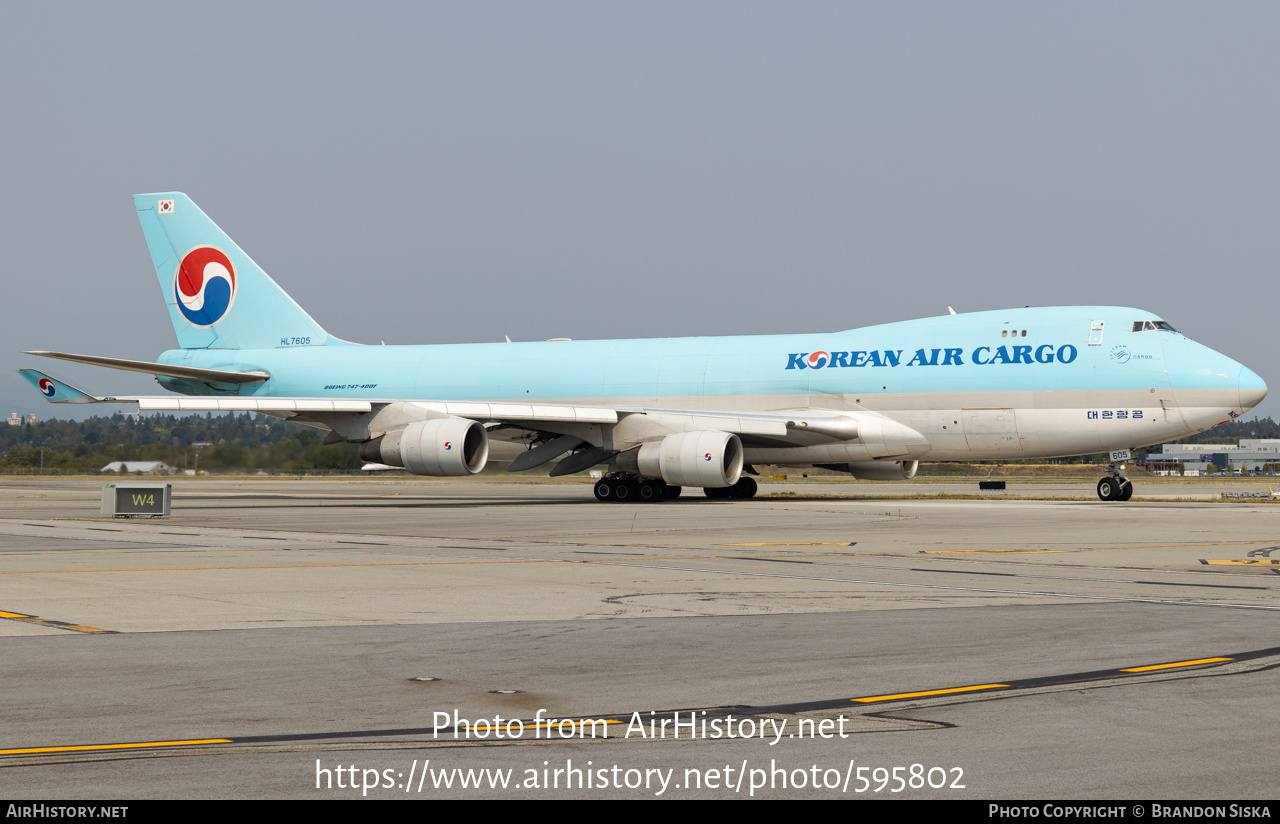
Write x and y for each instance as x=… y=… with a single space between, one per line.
x=669 y=413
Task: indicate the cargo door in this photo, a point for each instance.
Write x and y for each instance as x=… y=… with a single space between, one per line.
x=991 y=431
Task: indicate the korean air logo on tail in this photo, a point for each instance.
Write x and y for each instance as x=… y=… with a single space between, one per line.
x=48 y=388
x=817 y=360
x=204 y=286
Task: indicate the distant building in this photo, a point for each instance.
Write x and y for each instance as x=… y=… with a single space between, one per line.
x=145 y=467
x=33 y=419
x=1250 y=455
x=14 y=419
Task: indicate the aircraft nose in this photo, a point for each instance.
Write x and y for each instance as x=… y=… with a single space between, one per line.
x=1252 y=389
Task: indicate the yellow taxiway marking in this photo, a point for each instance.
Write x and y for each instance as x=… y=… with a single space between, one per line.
x=49 y=622
x=138 y=745
x=1178 y=664
x=1242 y=562
x=896 y=696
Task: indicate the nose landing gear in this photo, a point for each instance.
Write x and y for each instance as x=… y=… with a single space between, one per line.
x=1116 y=486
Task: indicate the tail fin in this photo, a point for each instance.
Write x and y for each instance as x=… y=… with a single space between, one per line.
x=218 y=298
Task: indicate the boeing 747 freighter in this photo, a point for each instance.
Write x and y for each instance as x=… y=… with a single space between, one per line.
x=668 y=413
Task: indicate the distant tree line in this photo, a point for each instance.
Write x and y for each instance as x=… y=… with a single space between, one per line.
x=228 y=442
x=1233 y=431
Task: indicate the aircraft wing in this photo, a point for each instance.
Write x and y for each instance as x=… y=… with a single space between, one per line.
x=780 y=428
x=786 y=428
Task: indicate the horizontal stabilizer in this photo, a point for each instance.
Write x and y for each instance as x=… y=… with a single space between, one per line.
x=55 y=391
x=168 y=370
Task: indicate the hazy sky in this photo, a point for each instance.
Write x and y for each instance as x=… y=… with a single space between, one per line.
x=421 y=173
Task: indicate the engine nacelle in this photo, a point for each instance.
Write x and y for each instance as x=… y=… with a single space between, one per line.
x=441 y=446
x=883 y=470
x=707 y=459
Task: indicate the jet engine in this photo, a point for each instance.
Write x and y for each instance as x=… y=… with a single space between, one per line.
x=440 y=446
x=706 y=459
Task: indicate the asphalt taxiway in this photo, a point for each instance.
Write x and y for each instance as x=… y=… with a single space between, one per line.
x=266 y=638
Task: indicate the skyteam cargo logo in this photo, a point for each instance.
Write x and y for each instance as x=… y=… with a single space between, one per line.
x=204 y=286
x=48 y=388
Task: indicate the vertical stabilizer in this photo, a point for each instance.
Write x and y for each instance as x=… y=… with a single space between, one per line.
x=218 y=298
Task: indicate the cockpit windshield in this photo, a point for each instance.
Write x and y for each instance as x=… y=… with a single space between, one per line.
x=1152 y=326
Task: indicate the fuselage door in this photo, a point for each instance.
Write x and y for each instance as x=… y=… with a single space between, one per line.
x=1095 y=333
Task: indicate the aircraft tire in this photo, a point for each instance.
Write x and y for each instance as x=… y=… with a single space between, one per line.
x=650 y=492
x=1109 y=489
x=624 y=492
x=604 y=490
x=716 y=492
x=745 y=488
x=673 y=492
x=1126 y=493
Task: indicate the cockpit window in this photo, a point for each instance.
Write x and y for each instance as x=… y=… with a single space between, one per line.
x=1152 y=326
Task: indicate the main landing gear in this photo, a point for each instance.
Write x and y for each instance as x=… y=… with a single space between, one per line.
x=624 y=487
x=744 y=488
x=1116 y=486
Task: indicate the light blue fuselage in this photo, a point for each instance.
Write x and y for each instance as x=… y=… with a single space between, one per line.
x=1072 y=380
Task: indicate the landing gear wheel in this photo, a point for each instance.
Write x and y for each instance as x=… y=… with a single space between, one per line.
x=604 y=490
x=650 y=491
x=1116 y=486
x=717 y=492
x=624 y=492
x=744 y=488
x=673 y=492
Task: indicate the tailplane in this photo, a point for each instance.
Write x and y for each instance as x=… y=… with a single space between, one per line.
x=218 y=298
